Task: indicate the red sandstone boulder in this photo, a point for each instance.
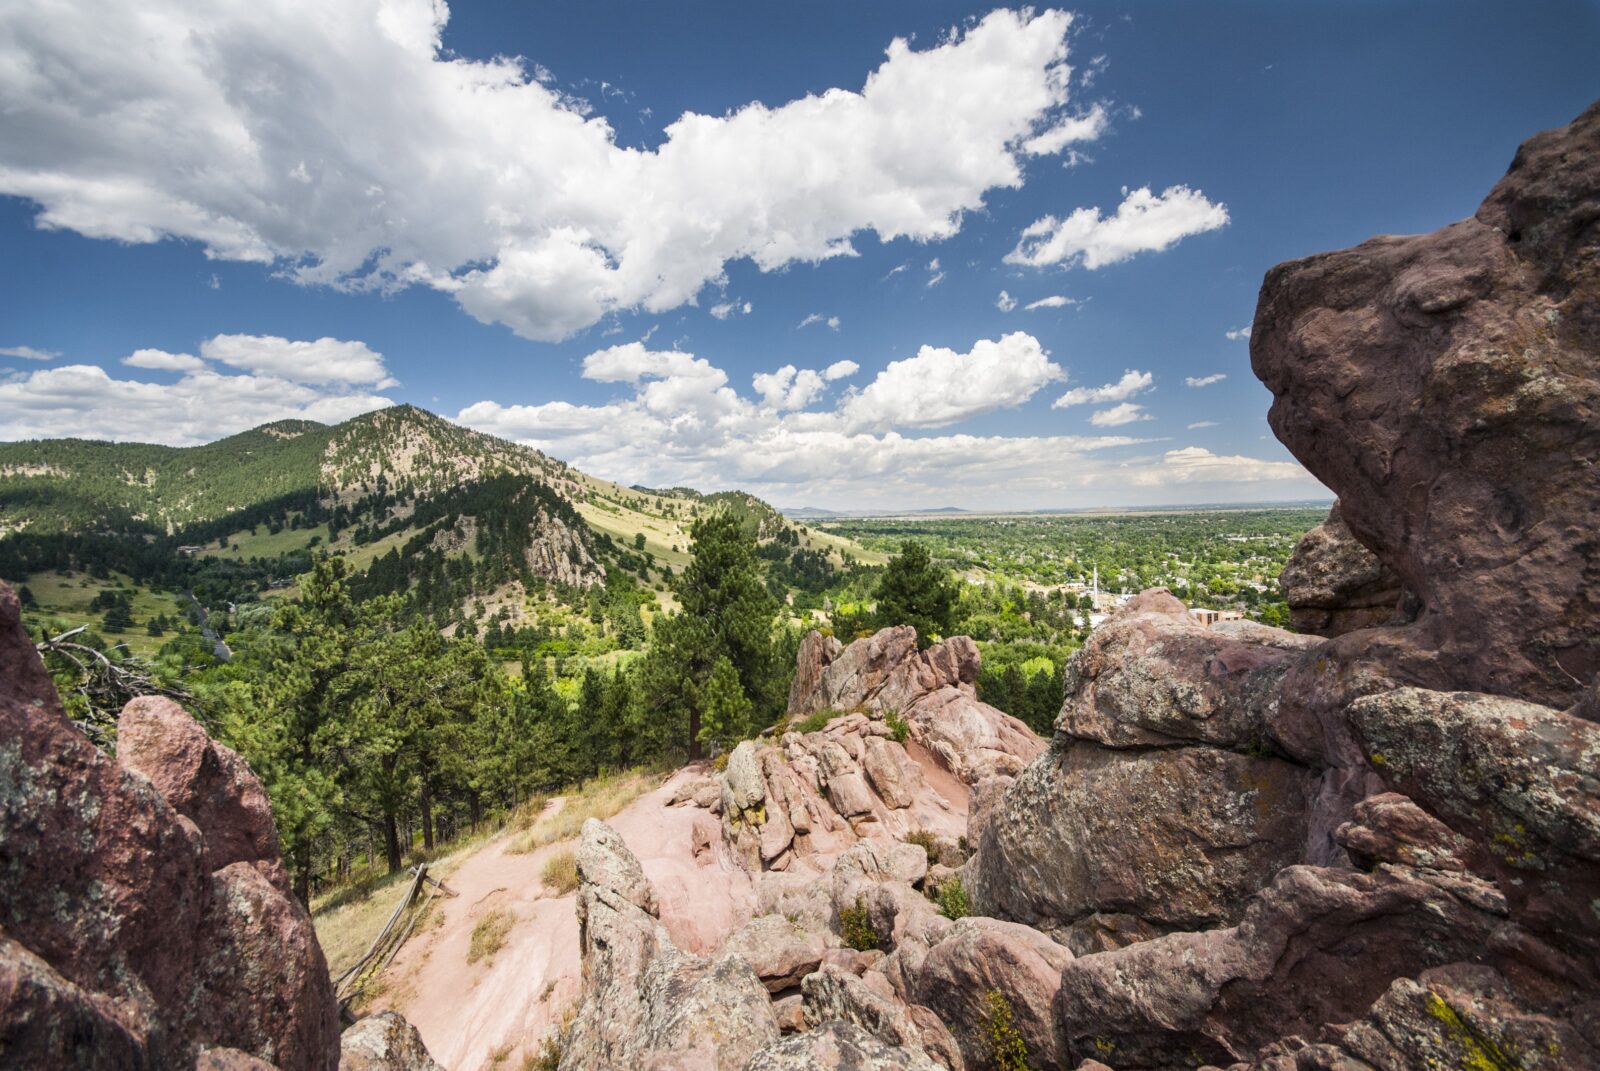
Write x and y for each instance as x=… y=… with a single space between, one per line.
x=1163 y=803
x=1334 y=585
x=119 y=929
x=1447 y=387
x=1318 y=946
x=204 y=781
x=933 y=691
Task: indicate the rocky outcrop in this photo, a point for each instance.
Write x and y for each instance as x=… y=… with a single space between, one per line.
x=561 y=553
x=1447 y=387
x=646 y=1003
x=146 y=918
x=810 y=796
x=1161 y=803
x=207 y=783
x=1381 y=850
x=1334 y=585
x=900 y=719
x=934 y=691
x=143 y=900
x=833 y=1045
x=384 y=1042
x=979 y=956
x=1318 y=946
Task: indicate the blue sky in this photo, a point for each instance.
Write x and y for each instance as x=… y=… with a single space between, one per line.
x=271 y=210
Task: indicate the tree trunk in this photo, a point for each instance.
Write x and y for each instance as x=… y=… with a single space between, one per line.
x=476 y=802
x=391 y=843
x=694 y=735
x=427 y=818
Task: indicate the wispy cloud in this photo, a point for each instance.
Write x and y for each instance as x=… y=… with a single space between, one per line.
x=28 y=353
x=1144 y=222
x=1205 y=381
x=1132 y=382
x=727 y=308
x=819 y=318
x=1117 y=415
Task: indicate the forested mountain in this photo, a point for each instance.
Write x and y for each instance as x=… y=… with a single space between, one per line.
x=486 y=535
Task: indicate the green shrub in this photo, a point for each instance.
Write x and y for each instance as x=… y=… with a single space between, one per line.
x=1006 y=1047
x=929 y=842
x=855 y=926
x=952 y=899
x=815 y=723
x=898 y=725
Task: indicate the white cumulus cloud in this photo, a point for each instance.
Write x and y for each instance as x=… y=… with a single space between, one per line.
x=85 y=401
x=840 y=370
x=1144 y=222
x=1086 y=127
x=323 y=360
x=1118 y=415
x=163 y=361
x=939 y=386
x=1234 y=334
x=1005 y=302
x=1132 y=382
x=711 y=437
x=789 y=387
x=727 y=308
x=138 y=122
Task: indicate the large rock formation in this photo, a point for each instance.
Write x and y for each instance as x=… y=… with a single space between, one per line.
x=1447 y=386
x=1162 y=803
x=1381 y=850
x=935 y=691
x=646 y=1004
x=143 y=901
x=900 y=719
x=146 y=918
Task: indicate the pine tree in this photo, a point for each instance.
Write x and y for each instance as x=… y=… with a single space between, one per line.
x=727 y=614
x=914 y=592
x=725 y=717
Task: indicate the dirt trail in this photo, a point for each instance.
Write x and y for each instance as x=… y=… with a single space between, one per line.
x=468 y=1013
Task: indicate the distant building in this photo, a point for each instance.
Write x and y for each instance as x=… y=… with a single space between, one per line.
x=1211 y=617
x=188 y=550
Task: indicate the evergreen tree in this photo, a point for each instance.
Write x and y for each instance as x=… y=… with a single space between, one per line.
x=287 y=712
x=914 y=592
x=725 y=717
x=727 y=614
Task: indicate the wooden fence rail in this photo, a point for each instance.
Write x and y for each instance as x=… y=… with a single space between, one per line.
x=349 y=986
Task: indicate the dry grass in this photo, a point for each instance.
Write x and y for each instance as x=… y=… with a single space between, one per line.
x=600 y=797
x=561 y=872
x=528 y=812
x=489 y=935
